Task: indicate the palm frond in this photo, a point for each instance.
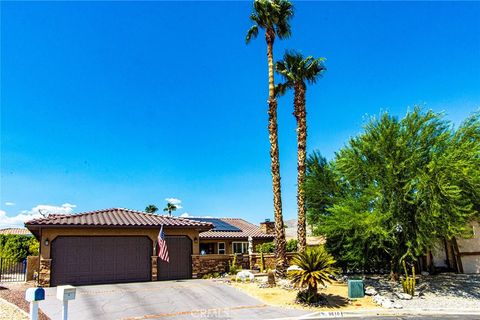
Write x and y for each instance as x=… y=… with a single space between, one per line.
x=274 y=15
x=251 y=33
x=281 y=89
x=297 y=69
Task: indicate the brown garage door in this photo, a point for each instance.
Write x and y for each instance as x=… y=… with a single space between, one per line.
x=93 y=260
x=180 y=265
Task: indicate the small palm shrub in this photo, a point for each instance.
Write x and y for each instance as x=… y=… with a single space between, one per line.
x=317 y=268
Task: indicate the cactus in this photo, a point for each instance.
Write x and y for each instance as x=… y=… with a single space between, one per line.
x=262 y=263
x=408 y=283
x=232 y=267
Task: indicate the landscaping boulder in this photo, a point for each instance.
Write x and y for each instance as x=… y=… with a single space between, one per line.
x=244 y=275
x=387 y=303
x=293 y=268
x=370 y=291
x=403 y=296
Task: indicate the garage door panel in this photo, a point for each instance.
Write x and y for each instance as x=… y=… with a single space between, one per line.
x=180 y=255
x=95 y=260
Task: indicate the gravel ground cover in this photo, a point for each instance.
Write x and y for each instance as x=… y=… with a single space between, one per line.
x=15 y=293
x=7 y=311
x=443 y=291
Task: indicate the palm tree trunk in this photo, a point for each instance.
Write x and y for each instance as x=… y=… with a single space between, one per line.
x=300 y=114
x=280 y=243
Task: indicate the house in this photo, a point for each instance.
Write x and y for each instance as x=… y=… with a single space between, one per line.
x=114 y=245
x=460 y=255
x=232 y=235
x=15 y=231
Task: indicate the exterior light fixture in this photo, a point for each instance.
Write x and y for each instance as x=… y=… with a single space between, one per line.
x=47 y=242
x=195 y=240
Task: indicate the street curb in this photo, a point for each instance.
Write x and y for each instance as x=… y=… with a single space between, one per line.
x=15 y=307
x=386 y=312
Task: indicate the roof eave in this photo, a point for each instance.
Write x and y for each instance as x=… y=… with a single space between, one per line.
x=31 y=227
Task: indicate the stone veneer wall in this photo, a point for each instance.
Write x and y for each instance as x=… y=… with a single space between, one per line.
x=44 y=273
x=154 y=268
x=219 y=263
x=268 y=260
x=210 y=263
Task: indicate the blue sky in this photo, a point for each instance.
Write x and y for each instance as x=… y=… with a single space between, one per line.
x=117 y=104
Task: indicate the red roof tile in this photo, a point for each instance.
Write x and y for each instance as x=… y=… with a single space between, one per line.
x=20 y=231
x=247 y=229
x=117 y=217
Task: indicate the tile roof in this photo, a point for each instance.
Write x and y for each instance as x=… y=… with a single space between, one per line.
x=117 y=217
x=247 y=229
x=20 y=231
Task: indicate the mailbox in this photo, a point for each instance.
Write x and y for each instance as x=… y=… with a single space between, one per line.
x=35 y=294
x=66 y=293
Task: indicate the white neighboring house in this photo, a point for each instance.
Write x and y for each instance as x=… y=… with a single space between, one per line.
x=461 y=255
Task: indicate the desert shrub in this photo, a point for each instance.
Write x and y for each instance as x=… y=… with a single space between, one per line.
x=211 y=275
x=233 y=267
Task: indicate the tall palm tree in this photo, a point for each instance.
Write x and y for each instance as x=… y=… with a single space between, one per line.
x=296 y=71
x=273 y=16
x=170 y=208
x=151 y=208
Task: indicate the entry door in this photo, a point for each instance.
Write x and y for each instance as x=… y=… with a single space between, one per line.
x=180 y=254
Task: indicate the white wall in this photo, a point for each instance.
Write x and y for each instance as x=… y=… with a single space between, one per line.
x=471 y=264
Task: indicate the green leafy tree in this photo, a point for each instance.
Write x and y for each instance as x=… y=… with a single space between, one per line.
x=321 y=188
x=407 y=183
x=274 y=17
x=18 y=247
x=316 y=268
x=297 y=71
x=151 y=208
x=269 y=247
x=292 y=245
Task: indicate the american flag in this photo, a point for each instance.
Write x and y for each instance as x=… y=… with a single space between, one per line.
x=162 y=246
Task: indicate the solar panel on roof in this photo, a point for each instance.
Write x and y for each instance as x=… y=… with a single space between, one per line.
x=218 y=225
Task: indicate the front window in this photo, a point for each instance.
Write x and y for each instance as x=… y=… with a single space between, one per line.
x=240 y=247
x=207 y=248
x=221 y=248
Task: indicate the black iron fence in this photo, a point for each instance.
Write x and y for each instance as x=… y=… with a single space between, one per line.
x=12 y=270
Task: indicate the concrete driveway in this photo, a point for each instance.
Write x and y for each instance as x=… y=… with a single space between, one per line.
x=185 y=299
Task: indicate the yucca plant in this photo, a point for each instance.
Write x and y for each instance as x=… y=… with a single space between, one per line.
x=316 y=268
